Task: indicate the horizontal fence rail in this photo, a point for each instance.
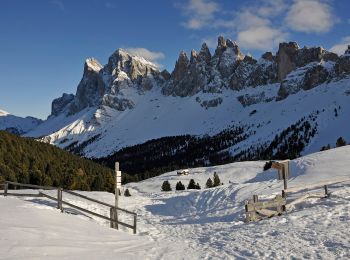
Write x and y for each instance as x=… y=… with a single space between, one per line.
x=316 y=185
x=60 y=202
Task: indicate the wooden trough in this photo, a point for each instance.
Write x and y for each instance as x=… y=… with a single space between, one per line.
x=257 y=210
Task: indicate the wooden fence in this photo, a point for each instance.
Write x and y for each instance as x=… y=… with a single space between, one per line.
x=113 y=211
x=257 y=210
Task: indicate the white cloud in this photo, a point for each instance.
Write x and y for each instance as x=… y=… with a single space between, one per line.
x=199 y=12
x=256 y=32
x=260 y=38
x=270 y=8
x=340 y=47
x=310 y=16
x=147 y=54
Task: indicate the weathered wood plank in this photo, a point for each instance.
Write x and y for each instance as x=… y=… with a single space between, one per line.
x=316 y=185
x=266 y=204
x=88 y=211
x=267 y=212
x=277 y=166
x=97 y=201
x=30 y=185
x=21 y=195
x=304 y=198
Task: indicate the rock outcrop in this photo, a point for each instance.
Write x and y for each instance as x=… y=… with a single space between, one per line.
x=59 y=104
x=91 y=87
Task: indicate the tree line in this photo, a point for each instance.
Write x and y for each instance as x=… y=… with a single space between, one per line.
x=192 y=185
x=26 y=161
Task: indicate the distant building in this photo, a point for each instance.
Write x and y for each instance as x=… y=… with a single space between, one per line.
x=183 y=172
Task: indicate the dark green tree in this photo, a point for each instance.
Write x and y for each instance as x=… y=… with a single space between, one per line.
x=166 y=186
x=127 y=193
x=209 y=183
x=340 y=142
x=198 y=187
x=192 y=185
x=216 y=179
x=327 y=147
x=267 y=165
x=98 y=183
x=180 y=186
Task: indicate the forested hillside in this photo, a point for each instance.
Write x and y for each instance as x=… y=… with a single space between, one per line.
x=28 y=161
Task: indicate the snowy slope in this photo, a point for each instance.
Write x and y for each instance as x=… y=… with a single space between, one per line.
x=209 y=223
x=18 y=125
x=156 y=115
x=34 y=231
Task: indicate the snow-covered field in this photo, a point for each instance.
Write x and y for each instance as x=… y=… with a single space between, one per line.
x=204 y=224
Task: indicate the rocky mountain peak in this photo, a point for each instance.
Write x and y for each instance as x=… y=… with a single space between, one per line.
x=180 y=66
x=268 y=56
x=133 y=65
x=204 y=53
x=234 y=46
x=221 y=47
x=226 y=55
x=194 y=56
x=286 y=58
x=92 y=64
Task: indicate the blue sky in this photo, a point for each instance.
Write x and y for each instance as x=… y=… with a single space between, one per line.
x=44 y=43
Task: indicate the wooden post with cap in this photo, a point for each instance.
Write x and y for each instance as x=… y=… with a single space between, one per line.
x=118 y=182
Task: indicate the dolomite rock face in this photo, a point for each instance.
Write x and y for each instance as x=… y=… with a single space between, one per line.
x=286 y=58
x=106 y=85
x=59 y=104
x=91 y=87
x=291 y=70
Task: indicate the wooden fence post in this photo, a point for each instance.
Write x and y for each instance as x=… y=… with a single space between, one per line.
x=326 y=191
x=6 y=187
x=59 y=199
x=285 y=179
x=111 y=215
x=114 y=218
x=135 y=220
x=255 y=198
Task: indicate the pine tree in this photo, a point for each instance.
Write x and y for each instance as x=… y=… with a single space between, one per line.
x=191 y=185
x=324 y=148
x=166 y=186
x=127 y=193
x=180 y=186
x=267 y=165
x=198 y=187
x=217 y=181
x=209 y=183
x=340 y=142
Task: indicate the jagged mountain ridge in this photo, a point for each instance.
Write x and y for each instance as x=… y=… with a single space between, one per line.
x=17 y=125
x=129 y=100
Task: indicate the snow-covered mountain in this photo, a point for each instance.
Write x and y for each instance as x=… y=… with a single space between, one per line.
x=298 y=92
x=17 y=125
